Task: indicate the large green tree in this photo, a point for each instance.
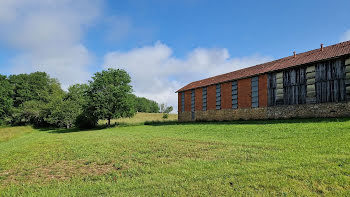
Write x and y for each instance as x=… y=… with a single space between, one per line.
x=79 y=94
x=34 y=86
x=6 y=100
x=35 y=97
x=30 y=112
x=64 y=112
x=110 y=95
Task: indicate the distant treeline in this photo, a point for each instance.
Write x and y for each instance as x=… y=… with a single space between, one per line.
x=39 y=100
x=145 y=105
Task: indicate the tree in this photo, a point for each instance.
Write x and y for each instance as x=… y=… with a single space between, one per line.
x=145 y=105
x=79 y=94
x=154 y=108
x=6 y=101
x=168 y=109
x=35 y=96
x=34 y=86
x=162 y=108
x=64 y=114
x=110 y=94
x=30 y=112
x=165 y=109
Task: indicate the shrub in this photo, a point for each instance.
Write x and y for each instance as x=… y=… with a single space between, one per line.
x=165 y=116
x=86 y=121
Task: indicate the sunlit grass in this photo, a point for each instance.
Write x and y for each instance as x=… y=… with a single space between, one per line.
x=254 y=158
x=140 y=118
x=7 y=133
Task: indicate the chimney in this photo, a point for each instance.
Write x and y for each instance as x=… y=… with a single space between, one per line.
x=295 y=55
x=321 y=47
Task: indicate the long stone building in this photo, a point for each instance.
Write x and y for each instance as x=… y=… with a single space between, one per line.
x=311 y=84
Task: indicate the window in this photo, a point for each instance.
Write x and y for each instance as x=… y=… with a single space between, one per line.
x=279 y=96
x=294 y=86
x=218 y=96
x=310 y=84
x=192 y=101
x=271 y=90
x=182 y=101
x=204 y=99
x=255 y=92
x=330 y=81
x=234 y=95
x=347 y=78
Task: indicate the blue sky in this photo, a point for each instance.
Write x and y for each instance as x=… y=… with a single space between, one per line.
x=163 y=44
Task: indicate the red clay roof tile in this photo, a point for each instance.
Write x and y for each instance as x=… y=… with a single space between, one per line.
x=315 y=55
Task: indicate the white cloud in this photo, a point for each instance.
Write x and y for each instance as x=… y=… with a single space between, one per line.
x=157 y=74
x=47 y=34
x=69 y=65
x=345 y=36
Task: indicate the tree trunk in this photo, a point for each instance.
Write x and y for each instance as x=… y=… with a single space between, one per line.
x=109 y=122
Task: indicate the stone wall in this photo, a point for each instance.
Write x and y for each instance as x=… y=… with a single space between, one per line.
x=277 y=112
x=321 y=110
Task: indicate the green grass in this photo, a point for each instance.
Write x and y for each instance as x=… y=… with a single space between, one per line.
x=264 y=158
x=141 y=118
x=7 y=133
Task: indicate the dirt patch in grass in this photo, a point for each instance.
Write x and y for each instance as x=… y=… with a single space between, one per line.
x=59 y=171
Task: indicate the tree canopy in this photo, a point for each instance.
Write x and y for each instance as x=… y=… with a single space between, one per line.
x=6 y=100
x=145 y=105
x=110 y=94
x=38 y=99
x=35 y=86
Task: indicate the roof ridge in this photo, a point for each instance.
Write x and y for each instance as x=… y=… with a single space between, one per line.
x=282 y=63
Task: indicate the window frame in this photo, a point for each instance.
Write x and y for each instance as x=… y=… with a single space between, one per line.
x=218 y=97
x=204 y=98
x=234 y=94
x=255 y=91
x=182 y=101
x=193 y=100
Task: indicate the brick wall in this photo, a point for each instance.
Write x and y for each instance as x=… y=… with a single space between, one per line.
x=244 y=93
x=226 y=95
x=263 y=90
x=179 y=102
x=188 y=100
x=211 y=97
x=198 y=99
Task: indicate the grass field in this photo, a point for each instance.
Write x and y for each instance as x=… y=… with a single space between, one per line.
x=140 y=118
x=285 y=158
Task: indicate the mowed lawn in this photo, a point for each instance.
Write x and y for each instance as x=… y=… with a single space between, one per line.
x=288 y=158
